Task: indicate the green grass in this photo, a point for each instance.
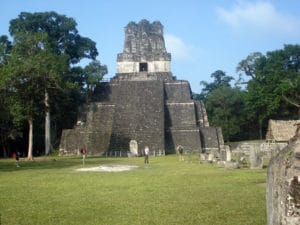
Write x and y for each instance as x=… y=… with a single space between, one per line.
x=48 y=191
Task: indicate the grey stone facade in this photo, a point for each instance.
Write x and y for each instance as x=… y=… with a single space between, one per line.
x=143 y=102
x=283 y=186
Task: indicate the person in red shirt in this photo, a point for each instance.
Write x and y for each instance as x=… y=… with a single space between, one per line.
x=83 y=152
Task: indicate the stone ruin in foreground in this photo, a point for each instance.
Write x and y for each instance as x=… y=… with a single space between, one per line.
x=142 y=104
x=283 y=186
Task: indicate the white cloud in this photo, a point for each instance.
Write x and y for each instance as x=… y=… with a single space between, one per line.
x=178 y=48
x=260 y=16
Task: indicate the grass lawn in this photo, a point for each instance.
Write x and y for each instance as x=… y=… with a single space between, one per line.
x=51 y=191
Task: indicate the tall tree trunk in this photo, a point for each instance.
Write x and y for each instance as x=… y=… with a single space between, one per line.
x=30 y=139
x=4 y=152
x=47 y=125
x=2 y=142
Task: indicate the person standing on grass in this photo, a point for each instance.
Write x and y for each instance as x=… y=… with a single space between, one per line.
x=17 y=159
x=180 y=152
x=83 y=152
x=146 y=152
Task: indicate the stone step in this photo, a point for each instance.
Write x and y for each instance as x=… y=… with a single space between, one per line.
x=296 y=164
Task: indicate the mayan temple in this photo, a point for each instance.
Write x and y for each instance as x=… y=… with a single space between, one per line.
x=143 y=103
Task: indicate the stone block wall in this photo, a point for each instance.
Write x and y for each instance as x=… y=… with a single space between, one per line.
x=156 y=112
x=211 y=138
x=189 y=139
x=283 y=186
x=201 y=114
x=139 y=115
x=93 y=132
x=134 y=67
x=180 y=118
x=177 y=91
x=70 y=142
x=268 y=149
x=143 y=76
x=180 y=114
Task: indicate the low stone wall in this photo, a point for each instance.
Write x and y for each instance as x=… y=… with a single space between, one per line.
x=268 y=149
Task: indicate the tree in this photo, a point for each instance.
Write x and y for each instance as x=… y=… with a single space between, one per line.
x=224 y=104
x=225 y=108
x=292 y=96
x=290 y=85
x=33 y=68
x=56 y=45
x=5 y=48
x=274 y=86
x=6 y=130
x=93 y=74
x=247 y=66
x=61 y=30
x=220 y=79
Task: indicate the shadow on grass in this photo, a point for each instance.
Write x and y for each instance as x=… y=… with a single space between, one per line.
x=39 y=163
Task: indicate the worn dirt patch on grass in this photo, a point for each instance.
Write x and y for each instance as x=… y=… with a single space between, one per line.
x=108 y=168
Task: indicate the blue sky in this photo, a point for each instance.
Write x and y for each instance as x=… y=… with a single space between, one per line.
x=202 y=36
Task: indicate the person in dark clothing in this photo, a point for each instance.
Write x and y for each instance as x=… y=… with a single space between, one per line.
x=17 y=159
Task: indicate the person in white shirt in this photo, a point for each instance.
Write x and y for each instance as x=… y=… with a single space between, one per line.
x=146 y=152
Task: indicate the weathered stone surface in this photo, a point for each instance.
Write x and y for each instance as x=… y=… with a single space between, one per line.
x=144 y=49
x=283 y=186
x=266 y=148
x=211 y=138
x=231 y=165
x=281 y=130
x=210 y=157
x=256 y=157
x=228 y=153
x=144 y=37
x=139 y=115
x=201 y=114
x=85 y=133
x=133 y=146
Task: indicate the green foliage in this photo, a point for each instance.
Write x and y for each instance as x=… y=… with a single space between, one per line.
x=45 y=45
x=274 y=86
x=220 y=79
x=5 y=47
x=64 y=37
x=32 y=69
x=93 y=74
x=288 y=153
x=225 y=108
x=164 y=192
x=224 y=104
x=247 y=66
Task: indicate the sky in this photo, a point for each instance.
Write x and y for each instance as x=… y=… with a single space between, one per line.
x=202 y=36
